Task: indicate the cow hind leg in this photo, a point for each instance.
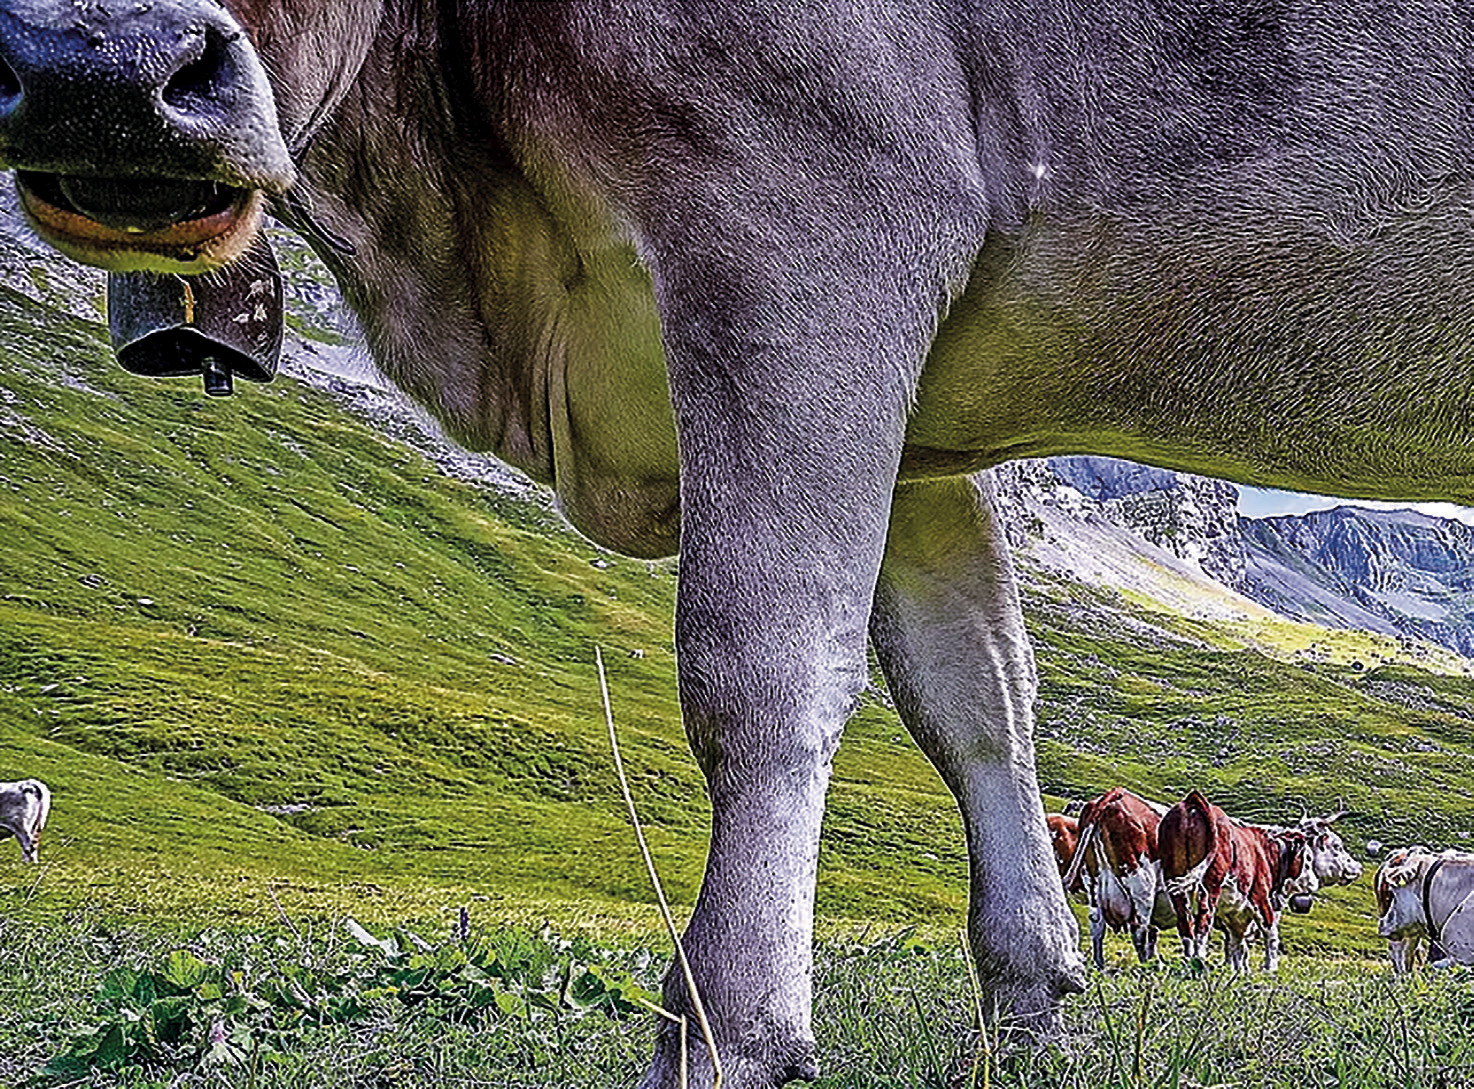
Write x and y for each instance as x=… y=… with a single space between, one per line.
x=1204 y=938
x=1142 y=888
x=1181 y=907
x=1186 y=907
x=1195 y=923
x=949 y=633
x=1097 y=935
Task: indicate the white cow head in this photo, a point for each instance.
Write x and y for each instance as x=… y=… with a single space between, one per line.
x=1328 y=856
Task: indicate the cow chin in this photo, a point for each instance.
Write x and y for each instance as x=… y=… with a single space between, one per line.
x=190 y=245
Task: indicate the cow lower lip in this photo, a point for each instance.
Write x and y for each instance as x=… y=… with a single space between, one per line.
x=137 y=231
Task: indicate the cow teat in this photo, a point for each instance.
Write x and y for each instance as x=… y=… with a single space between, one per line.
x=217 y=325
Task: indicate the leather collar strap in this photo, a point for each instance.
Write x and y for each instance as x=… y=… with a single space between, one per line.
x=1433 y=935
x=1290 y=846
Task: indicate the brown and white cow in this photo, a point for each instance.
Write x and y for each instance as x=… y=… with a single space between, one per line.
x=1430 y=897
x=1064 y=837
x=1235 y=876
x=1117 y=861
x=24 y=807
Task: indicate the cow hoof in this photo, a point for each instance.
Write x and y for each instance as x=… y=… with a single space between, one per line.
x=1034 y=1006
x=765 y=1064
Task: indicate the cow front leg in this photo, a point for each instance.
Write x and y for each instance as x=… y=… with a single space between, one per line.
x=772 y=660
x=785 y=491
x=1236 y=948
x=800 y=288
x=1143 y=938
x=1271 y=946
x=949 y=632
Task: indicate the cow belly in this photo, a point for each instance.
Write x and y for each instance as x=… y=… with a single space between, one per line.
x=1086 y=337
x=1457 y=933
x=1234 y=908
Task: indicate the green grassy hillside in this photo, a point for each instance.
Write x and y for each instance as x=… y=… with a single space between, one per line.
x=262 y=653
x=251 y=641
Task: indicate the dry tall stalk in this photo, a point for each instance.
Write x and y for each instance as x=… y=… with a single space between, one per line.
x=983 y=1057
x=670 y=924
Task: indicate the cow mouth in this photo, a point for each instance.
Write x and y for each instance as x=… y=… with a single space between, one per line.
x=1302 y=903
x=141 y=224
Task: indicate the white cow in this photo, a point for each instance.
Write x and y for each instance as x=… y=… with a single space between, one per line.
x=1429 y=897
x=23 y=810
x=1332 y=862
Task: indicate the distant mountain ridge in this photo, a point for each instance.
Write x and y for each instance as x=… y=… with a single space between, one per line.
x=1398 y=572
x=1394 y=572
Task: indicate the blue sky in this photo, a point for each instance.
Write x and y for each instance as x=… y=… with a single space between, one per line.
x=1265 y=503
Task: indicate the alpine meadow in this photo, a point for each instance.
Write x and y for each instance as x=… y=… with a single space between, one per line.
x=305 y=690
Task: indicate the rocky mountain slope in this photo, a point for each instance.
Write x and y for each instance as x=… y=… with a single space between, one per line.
x=1397 y=572
x=1394 y=572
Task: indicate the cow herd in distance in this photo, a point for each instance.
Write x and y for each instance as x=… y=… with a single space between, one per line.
x=1143 y=867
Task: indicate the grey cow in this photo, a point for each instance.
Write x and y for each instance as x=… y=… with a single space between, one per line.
x=1427 y=897
x=771 y=282
x=24 y=807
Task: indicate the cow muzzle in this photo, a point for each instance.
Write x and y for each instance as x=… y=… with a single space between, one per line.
x=143 y=136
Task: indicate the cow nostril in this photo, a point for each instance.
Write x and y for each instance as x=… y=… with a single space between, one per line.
x=196 y=87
